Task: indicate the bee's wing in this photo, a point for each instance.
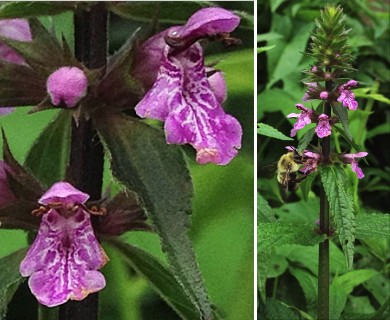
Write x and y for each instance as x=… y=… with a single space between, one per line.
x=268 y=171
x=284 y=184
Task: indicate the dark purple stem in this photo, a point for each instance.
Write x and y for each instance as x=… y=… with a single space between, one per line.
x=323 y=261
x=86 y=156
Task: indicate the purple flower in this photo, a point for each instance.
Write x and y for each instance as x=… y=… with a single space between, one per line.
x=351 y=159
x=217 y=84
x=16 y=29
x=304 y=118
x=323 y=128
x=67 y=86
x=310 y=163
x=186 y=94
x=62 y=262
x=6 y=196
x=347 y=97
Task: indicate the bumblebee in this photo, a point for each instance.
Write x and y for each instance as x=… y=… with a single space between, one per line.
x=287 y=171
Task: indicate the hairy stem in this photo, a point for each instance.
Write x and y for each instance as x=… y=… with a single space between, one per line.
x=86 y=156
x=323 y=262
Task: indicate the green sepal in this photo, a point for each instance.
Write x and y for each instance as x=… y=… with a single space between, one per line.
x=49 y=155
x=20 y=85
x=143 y=162
x=118 y=88
x=44 y=54
x=17 y=215
x=21 y=182
x=123 y=214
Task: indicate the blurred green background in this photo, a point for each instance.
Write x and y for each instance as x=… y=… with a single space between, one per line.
x=223 y=218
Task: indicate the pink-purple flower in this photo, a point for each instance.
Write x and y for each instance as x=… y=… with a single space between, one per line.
x=347 y=97
x=350 y=158
x=304 y=118
x=186 y=94
x=64 y=260
x=323 y=128
x=310 y=163
x=67 y=86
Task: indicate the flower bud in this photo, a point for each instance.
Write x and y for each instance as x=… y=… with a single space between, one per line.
x=324 y=95
x=67 y=86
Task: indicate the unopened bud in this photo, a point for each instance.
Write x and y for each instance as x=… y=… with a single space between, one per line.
x=67 y=86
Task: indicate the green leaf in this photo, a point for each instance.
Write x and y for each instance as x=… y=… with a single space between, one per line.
x=372 y=226
x=159 y=277
x=264 y=49
x=26 y=9
x=10 y=278
x=307 y=257
x=158 y=174
x=379 y=287
x=276 y=310
x=305 y=185
x=271 y=235
x=309 y=284
x=274 y=100
x=275 y=4
x=167 y=12
x=268 y=36
x=342 y=286
x=378 y=130
x=306 y=139
x=262 y=272
x=264 y=211
x=289 y=58
x=351 y=142
x=341 y=207
x=48 y=156
x=363 y=93
x=277 y=265
x=342 y=113
x=266 y=130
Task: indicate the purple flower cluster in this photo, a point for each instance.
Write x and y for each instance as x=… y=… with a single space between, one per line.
x=323 y=128
x=63 y=262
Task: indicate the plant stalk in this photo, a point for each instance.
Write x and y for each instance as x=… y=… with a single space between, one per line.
x=323 y=262
x=86 y=155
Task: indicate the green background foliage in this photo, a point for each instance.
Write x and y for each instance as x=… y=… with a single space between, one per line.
x=288 y=272
x=222 y=217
